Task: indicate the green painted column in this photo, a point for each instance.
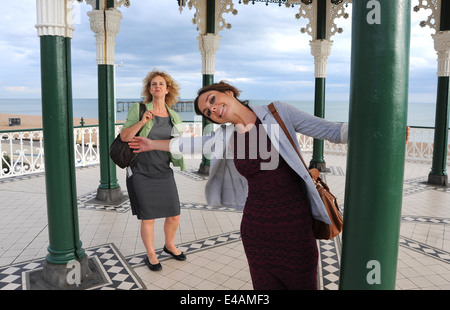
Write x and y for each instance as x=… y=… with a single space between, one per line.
x=208 y=76
x=376 y=148
x=106 y=120
x=105 y=23
x=318 y=160
x=208 y=79
x=57 y=121
x=438 y=174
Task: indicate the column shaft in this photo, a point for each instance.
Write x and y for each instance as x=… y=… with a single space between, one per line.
x=376 y=149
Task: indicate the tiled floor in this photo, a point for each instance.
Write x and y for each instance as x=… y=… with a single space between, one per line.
x=209 y=236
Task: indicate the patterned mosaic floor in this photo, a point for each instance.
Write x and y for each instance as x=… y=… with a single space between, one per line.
x=118 y=270
x=115 y=270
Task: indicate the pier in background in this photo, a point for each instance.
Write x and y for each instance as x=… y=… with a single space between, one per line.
x=180 y=106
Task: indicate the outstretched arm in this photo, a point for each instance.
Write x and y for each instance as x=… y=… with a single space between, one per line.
x=142 y=144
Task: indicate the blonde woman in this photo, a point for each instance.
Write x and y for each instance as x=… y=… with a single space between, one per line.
x=150 y=180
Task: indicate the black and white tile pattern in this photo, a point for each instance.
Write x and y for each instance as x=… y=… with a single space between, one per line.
x=420 y=184
x=329 y=263
x=425 y=249
x=84 y=202
x=190 y=247
x=115 y=270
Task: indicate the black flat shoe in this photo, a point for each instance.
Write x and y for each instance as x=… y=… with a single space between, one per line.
x=177 y=257
x=152 y=267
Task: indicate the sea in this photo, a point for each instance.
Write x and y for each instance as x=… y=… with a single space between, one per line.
x=419 y=114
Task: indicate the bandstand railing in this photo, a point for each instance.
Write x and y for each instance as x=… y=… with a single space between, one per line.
x=22 y=151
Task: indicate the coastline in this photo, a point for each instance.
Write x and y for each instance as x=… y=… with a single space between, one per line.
x=35 y=121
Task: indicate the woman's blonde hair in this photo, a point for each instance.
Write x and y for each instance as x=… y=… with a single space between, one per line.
x=172 y=85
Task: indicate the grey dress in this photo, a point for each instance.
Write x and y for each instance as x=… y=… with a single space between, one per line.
x=151 y=186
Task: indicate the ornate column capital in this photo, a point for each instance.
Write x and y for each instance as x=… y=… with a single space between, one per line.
x=54 y=18
x=208 y=44
x=442 y=47
x=320 y=49
x=441 y=38
x=106 y=25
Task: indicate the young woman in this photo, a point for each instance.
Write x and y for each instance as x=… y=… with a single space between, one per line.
x=263 y=176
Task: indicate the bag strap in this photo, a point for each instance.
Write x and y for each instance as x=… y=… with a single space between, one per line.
x=275 y=114
x=142 y=109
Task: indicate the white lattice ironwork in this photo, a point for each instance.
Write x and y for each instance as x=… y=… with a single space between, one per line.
x=222 y=6
x=308 y=9
x=434 y=18
x=117 y=3
x=441 y=38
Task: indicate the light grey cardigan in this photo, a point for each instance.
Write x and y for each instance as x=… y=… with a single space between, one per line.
x=226 y=186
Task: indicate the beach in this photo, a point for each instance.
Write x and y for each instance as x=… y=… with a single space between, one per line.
x=35 y=121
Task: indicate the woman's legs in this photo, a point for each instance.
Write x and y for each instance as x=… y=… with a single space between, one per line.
x=170 y=229
x=148 y=238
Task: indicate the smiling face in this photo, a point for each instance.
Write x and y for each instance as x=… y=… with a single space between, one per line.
x=217 y=106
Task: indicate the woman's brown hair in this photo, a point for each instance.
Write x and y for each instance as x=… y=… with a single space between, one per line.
x=220 y=87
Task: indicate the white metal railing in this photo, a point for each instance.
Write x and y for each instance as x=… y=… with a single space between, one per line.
x=419 y=147
x=22 y=152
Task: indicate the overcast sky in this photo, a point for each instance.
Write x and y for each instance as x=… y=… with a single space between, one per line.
x=264 y=53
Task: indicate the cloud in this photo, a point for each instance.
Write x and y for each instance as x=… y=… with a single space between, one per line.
x=21 y=90
x=264 y=52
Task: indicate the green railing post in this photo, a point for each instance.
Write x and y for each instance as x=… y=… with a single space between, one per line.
x=376 y=148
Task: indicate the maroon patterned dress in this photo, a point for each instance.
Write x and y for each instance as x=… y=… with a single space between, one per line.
x=276 y=226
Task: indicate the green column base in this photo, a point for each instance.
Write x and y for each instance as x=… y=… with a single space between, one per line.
x=109 y=196
x=204 y=169
x=441 y=180
x=61 y=257
x=321 y=166
x=61 y=277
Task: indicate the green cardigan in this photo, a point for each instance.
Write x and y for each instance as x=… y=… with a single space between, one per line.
x=133 y=118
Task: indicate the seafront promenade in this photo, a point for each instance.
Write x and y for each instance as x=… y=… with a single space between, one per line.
x=209 y=236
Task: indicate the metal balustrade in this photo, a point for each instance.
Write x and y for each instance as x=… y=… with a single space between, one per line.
x=22 y=152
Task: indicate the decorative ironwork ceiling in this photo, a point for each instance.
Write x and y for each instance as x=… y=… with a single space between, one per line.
x=287 y=3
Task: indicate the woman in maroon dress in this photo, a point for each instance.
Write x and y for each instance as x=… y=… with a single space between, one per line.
x=278 y=202
x=276 y=224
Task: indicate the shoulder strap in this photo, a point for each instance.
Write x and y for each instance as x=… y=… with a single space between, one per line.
x=142 y=109
x=275 y=114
